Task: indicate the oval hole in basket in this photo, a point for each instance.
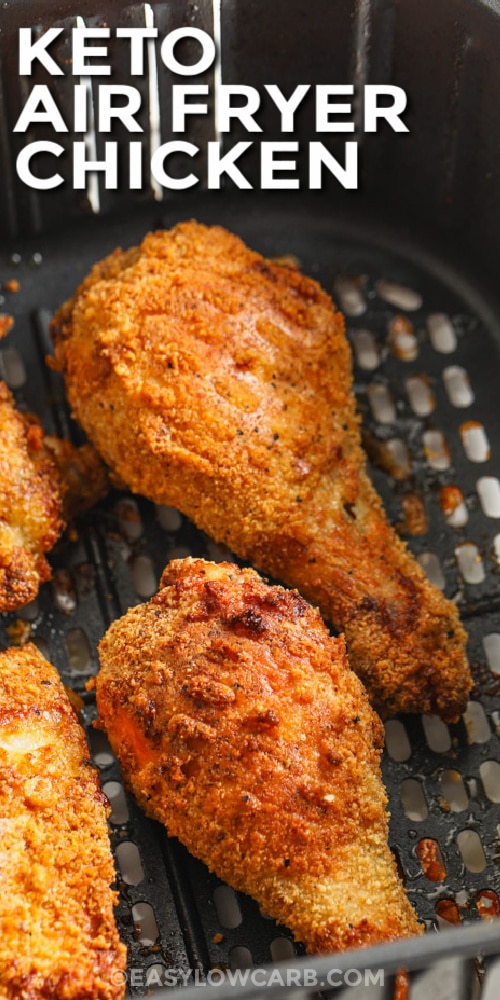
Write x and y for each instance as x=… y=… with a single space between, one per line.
x=399 y=296
x=491 y=646
x=441 y=332
x=431 y=859
x=413 y=799
x=398 y=459
x=396 y=740
x=447 y=913
x=78 y=650
x=453 y=790
x=414 y=514
x=240 y=957
x=471 y=849
x=475 y=441
x=156 y=976
x=144 y=576
x=457 y=386
x=436 y=450
x=12 y=368
x=227 y=907
x=129 y=862
x=381 y=403
x=117 y=801
x=488 y=488
x=402 y=340
x=490 y=777
x=129 y=519
x=488 y=904
x=437 y=734
x=169 y=518
x=420 y=395
x=145 y=924
x=496 y=548
x=476 y=723
x=102 y=754
x=366 y=350
x=282 y=949
x=470 y=563
x=351 y=299
x=64 y=591
x=432 y=568
x=453 y=505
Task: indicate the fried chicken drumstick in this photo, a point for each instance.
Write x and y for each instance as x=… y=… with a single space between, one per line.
x=216 y=381
x=239 y=725
x=43 y=481
x=57 y=932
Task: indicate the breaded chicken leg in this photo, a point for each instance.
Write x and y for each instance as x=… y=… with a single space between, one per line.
x=57 y=932
x=214 y=380
x=43 y=481
x=239 y=725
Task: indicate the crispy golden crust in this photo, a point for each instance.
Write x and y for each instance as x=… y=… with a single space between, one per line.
x=214 y=380
x=240 y=726
x=57 y=932
x=44 y=482
x=30 y=505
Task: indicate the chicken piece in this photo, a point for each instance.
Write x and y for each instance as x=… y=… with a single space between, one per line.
x=43 y=482
x=219 y=382
x=239 y=725
x=30 y=506
x=57 y=932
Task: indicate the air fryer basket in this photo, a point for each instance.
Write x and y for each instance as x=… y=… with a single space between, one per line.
x=411 y=258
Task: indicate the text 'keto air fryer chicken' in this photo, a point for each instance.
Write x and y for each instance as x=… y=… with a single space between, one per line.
x=239 y=725
x=219 y=382
x=57 y=932
x=43 y=481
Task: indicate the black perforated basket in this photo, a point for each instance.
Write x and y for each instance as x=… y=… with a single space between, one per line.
x=411 y=257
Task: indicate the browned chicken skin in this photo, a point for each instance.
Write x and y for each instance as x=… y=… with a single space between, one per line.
x=43 y=482
x=30 y=505
x=214 y=380
x=58 y=937
x=239 y=725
